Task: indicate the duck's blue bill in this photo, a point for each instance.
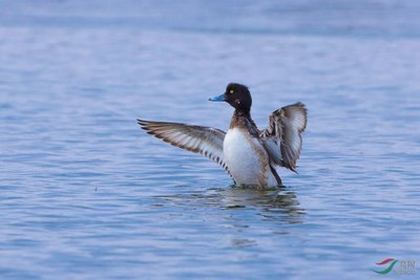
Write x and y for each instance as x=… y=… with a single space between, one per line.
x=217 y=98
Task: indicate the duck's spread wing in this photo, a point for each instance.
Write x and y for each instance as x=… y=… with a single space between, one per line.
x=197 y=139
x=283 y=137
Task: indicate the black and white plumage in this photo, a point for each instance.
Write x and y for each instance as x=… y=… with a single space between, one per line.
x=206 y=141
x=246 y=153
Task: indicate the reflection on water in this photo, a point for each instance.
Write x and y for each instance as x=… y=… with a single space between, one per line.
x=278 y=204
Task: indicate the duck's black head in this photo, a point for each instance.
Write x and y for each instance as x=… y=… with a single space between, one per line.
x=237 y=95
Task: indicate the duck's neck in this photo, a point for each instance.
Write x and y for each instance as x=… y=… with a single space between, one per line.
x=241 y=118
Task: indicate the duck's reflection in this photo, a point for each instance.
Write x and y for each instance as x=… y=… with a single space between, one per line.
x=277 y=204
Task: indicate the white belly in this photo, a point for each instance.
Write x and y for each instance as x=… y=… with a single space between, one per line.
x=246 y=159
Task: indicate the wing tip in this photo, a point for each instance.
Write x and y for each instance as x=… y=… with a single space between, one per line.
x=290 y=165
x=141 y=122
x=144 y=124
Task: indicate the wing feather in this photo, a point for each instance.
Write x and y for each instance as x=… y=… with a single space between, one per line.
x=283 y=137
x=206 y=141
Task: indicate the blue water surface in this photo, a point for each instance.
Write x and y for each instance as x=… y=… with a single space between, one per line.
x=85 y=194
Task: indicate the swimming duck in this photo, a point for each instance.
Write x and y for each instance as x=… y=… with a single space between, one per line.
x=248 y=154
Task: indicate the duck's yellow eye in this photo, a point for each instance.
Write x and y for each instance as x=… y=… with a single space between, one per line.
x=231 y=91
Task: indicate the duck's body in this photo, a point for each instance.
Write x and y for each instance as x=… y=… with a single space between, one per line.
x=247 y=160
x=247 y=154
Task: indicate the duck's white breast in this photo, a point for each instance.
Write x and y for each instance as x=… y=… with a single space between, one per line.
x=245 y=157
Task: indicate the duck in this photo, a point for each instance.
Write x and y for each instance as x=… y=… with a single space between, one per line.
x=249 y=155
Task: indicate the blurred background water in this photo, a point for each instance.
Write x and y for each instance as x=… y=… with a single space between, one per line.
x=86 y=195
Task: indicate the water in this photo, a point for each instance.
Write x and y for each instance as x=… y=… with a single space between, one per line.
x=86 y=195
